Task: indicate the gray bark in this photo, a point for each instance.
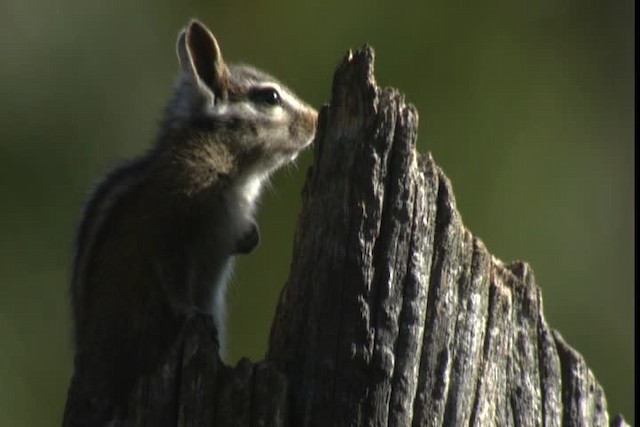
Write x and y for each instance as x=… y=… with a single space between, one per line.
x=393 y=314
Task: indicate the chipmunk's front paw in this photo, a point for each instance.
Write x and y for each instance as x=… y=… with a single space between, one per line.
x=249 y=240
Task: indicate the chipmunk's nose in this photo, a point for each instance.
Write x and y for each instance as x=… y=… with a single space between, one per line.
x=303 y=129
x=311 y=118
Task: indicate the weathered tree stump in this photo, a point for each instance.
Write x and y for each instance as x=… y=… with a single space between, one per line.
x=393 y=314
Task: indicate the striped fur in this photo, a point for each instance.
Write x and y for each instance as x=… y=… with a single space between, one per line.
x=159 y=233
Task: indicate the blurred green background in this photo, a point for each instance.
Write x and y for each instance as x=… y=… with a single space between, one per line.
x=528 y=108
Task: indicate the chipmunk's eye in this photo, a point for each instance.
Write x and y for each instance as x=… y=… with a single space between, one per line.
x=267 y=96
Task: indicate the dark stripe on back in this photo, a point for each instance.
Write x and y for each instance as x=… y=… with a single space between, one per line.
x=133 y=170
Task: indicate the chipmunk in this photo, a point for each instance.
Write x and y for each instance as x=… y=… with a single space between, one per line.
x=158 y=235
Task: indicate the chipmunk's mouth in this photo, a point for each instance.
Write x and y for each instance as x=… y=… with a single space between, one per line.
x=304 y=146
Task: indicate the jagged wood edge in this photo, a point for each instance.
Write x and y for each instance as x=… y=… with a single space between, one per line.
x=394 y=313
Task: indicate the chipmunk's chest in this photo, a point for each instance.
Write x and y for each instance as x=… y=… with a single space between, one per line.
x=224 y=221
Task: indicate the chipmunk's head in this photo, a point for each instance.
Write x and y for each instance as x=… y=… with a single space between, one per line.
x=237 y=120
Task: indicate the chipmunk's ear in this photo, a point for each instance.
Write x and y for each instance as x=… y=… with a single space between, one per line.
x=200 y=56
